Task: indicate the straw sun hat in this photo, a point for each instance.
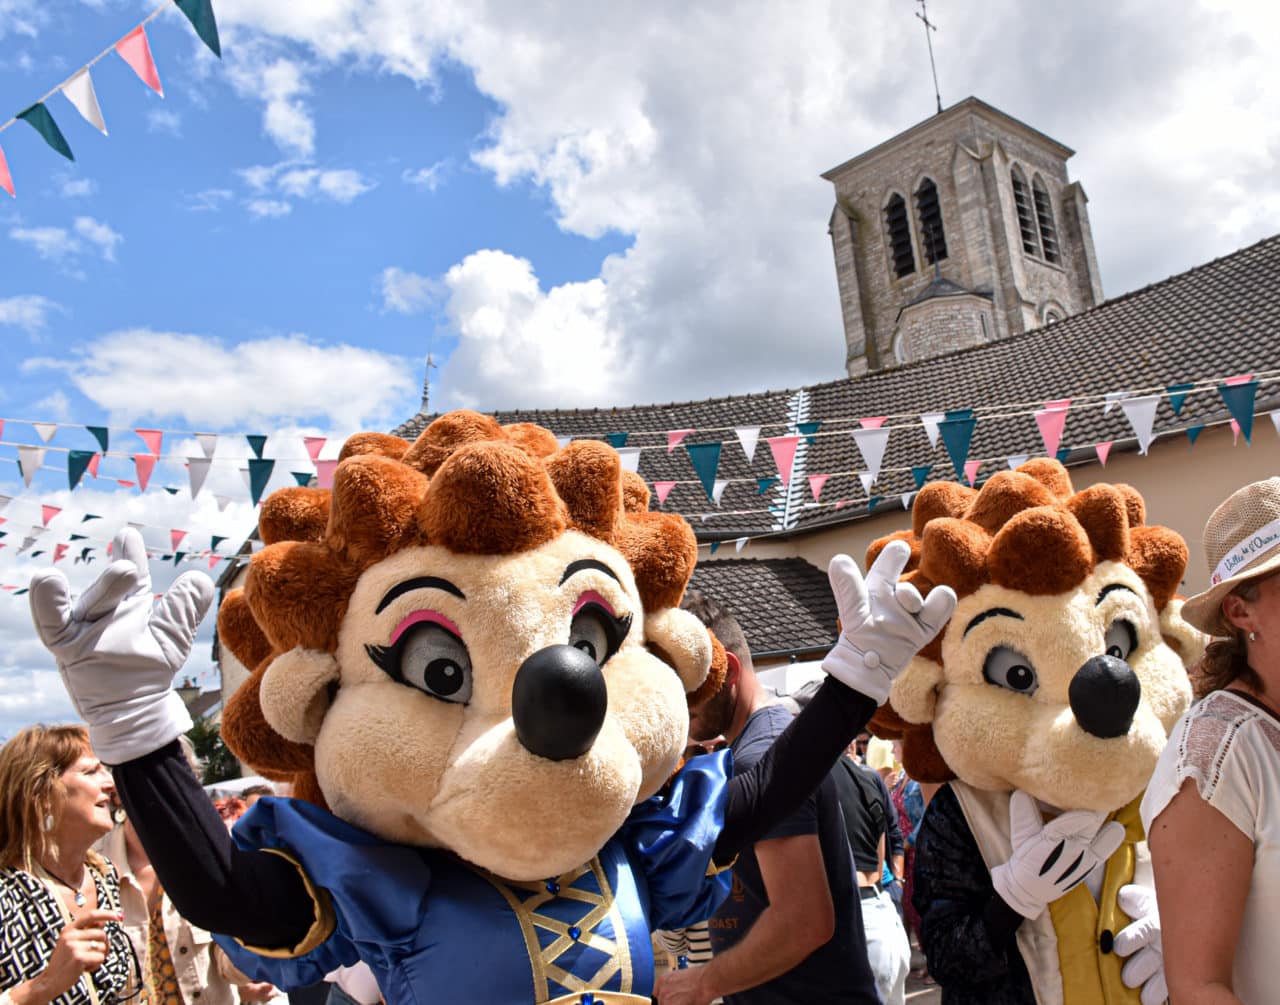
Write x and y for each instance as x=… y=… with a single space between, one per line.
x=1241 y=542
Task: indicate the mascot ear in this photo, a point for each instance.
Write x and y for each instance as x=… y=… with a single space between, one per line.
x=682 y=641
x=916 y=690
x=1189 y=643
x=295 y=693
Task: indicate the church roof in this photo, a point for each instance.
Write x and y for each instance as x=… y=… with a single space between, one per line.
x=941 y=286
x=1213 y=322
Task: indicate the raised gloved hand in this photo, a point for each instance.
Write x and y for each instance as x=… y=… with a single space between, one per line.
x=883 y=622
x=1049 y=859
x=1140 y=941
x=118 y=648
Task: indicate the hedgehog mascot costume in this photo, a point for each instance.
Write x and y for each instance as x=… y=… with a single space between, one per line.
x=1043 y=704
x=470 y=660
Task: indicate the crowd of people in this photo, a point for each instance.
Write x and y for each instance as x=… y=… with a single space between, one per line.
x=822 y=907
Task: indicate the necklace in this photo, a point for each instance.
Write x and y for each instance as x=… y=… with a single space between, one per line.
x=77 y=892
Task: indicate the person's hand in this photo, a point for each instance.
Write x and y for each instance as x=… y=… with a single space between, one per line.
x=1140 y=942
x=118 y=648
x=682 y=987
x=81 y=948
x=883 y=622
x=256 y=991
x=1049 y=859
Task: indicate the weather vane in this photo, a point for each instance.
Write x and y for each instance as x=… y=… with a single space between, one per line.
x=923 y=15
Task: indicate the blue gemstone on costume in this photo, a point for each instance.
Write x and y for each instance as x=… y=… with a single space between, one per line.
x=553 y=887
x=588 y=999
x=575 y=932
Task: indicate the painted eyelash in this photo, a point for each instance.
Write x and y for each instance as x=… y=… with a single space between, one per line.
x=382 y=656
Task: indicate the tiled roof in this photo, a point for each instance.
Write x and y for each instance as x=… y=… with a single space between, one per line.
x=784 y=605
x=1213 y=322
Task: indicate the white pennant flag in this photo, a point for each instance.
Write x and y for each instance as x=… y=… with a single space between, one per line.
x=1141 y=413
x=563 y=441
x=32 y=459
x=27 y=542
x=1275 y=421
x=906 y=499
x=45 y=430
x=222 y=502
x=1113 y=398
x=748 y=436
x=739 y=544
x=248 y=479
x=1017 y=460
x=871 y=444
x=5 y=500
x=717 y=490
x=931 y=421
x=208 y=442
x=630 y=457
x=866 y=477
x=79 y=91
x=198 y=469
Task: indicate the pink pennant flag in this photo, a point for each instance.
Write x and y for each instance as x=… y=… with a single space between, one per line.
x=1244 y=378
x=1103 y=450
x=152 y=438
x=145 y=463
x=124 y=483
x=93 y=464
x=6 y=179
x=47 y=513
x=816 y=482
x=1051 y=419
x=324 y=473
x=214 y=560
x=176 y=537
x=663 y=489
x=784 y=455
x=314 y=445
x=875 y=422
x=675 y=436
x=1 y=429
x=1235 y=432
x=842 y=503
x=135 y=50
x=971 y=470
x=59 y=550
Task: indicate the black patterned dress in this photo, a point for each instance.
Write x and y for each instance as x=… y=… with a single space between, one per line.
x=32 y=918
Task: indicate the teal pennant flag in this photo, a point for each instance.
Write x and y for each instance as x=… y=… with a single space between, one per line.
x=1178 y=396
x=957 y=432
x=200 y=14
x=179 y=557
x=214 y=541
x=256 y=443
x=77 y=465
x=40 y=119
x=872 y=503
x=705 y=458
x=100 y=434
x=921 y=474
x=808 y=430
x=303 y=478
x=1063 y=454
x=1239 y=400
x=89 y=516
x=1193 y=433
x=763 y=485
x=715 y=546
x=617 y=440
x=259 y=475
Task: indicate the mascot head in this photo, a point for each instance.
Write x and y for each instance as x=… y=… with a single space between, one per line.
x=1063 y=668
x=473 y=642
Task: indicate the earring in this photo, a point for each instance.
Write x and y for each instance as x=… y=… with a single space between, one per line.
x=1253 y=636
x=48 y=821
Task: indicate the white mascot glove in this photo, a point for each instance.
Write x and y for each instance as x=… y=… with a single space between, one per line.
x=1049 y=859
x=1140 y=941
x=883 y=622
x=118 y=651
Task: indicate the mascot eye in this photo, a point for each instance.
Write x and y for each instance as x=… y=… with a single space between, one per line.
x=1121 y=639
x=597 y=632
x=431 y=658
x=1008 y=668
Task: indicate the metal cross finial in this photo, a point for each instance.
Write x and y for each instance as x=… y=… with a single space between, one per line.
x=426 y=383
x=929 y=26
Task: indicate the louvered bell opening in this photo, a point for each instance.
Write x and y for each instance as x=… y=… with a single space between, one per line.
x=899 y=227
x=1044 y=216
x=930 y=212
x=1026 y=222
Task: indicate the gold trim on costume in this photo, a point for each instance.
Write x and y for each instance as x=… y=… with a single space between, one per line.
x=320 y=929
x=543 y=961
x=601 y=998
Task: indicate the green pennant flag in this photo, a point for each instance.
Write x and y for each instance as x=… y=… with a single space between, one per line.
x=77 y=465
x=1193 y=433
x=303 y=478
x=259 y=475
x=705 y=458
x=18 y=593
x=99 y=434
x=808 y=429
x=1238 y=398
x=179 y=557
x=256 y=443
x=165 y=558
x=4 y=533
x=89 y=516
x=214 y=541
x=957 y=432
x=79 y=537
x=172 y=491
x=200 y=14
x=715 y=546
x=763 y=485
x=36 y=554
x=84 y=555
x=1178 y=396
x=617 y=440
x=921 y=474
x=40 y=119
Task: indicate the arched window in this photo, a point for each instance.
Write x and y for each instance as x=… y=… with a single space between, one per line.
x=1026 y=221
x=899 y=227
x=1044 y=216
x=929 y=212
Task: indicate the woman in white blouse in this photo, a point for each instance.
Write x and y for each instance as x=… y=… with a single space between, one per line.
x=1212 y=809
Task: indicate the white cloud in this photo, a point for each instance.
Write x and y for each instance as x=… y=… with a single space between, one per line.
x=267 y=208
x=55 y=407
x=281 y=84
x=210 y=200
x=78 y=188
x=100 y=235
x=342 y=185
x=53 y=243
x=208 y=384
x=406 y=292
x=30 y=312
x=164 y=120
x=427 y=178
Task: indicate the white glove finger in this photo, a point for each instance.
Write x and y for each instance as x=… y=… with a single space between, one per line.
x=1155 y=991
x=50 y=597
x=1025 y=822
x=1141 y=968
x=1137 y=901
x=886 y=570
x=938 y=607
x=1076 y=825
x=1108 y=840
x=909 y=597
x=850 y=592
x=129 y=546
x=178 y=614
x=118 y=581
x=1137 y=935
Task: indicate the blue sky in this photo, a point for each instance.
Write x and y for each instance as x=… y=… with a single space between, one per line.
x=570 y=204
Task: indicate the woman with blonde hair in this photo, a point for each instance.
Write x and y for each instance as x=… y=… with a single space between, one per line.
x=1212 y=809
x=60 y=936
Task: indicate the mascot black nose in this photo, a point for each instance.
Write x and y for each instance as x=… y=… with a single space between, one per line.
x=558 y=702
x=1104 y=695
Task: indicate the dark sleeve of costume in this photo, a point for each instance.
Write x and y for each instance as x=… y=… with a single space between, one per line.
x=257 y=897
x=892 y=832
x=966 y=930
x=798 y=760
